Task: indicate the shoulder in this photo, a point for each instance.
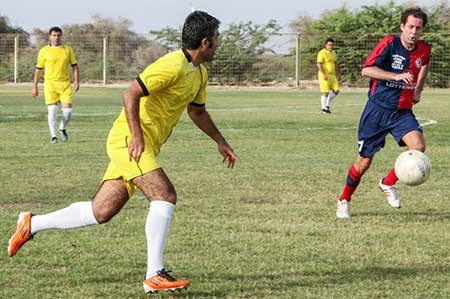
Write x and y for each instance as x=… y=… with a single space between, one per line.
x=389 y=39
x=44 y=48
x=66 y=47
x=423 y=45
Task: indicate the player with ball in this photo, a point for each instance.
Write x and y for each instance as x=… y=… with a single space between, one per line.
x=397 y=68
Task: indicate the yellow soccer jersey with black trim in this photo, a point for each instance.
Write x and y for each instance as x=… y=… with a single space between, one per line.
x=55 y=61
x=328 y=60
x=169 y=85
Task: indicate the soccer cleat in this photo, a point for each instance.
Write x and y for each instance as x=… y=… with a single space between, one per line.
x=392 y=195
x=163 y=281
x=343 y=209
x=64 y=135
x=54 y=140
x=324 y=111
x=327 y=110
x=22 y=234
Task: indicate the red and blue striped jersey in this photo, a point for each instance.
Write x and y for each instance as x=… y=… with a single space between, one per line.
x=390 y=55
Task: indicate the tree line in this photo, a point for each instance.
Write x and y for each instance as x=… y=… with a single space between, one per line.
x=243 y=56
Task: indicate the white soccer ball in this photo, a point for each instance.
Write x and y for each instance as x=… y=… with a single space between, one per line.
x=412 y=167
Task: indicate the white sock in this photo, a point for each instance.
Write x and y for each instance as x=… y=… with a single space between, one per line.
x=66 y=116
x=330 y=98
x=76 y=215
x=52 y=111
x=323 y=99
x=156 y=230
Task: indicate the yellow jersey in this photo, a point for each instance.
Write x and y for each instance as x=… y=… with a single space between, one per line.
x=55 y=61
x=169 y=85
x=328 y=60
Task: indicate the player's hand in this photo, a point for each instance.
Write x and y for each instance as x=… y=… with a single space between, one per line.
x=136 y=148
x=228 y=154
x=406 y=77
x=34 y=92
x=76 y=86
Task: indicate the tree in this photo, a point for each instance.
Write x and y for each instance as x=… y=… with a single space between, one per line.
x=8 y=34
x=356 y=33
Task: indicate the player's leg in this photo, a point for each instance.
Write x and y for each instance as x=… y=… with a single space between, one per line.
x=157 y=187
x=66 y=107
x=407 y=132
x=107 y=202
x=51 y=99
x=334 y=91
x=324 y=91
x=52 y=120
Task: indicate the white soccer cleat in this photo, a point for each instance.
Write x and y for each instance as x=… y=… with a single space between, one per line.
x=343 y=209
x=391 y=193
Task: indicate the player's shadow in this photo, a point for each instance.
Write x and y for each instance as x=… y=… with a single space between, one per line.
x=404 y=215
x=252 y=285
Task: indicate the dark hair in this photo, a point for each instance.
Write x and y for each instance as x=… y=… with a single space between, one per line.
x=197 y=26
x=416 y=12
x=54 y=29
x=329 y=40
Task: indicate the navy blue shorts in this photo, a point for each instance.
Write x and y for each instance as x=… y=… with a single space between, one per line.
x=376 y=122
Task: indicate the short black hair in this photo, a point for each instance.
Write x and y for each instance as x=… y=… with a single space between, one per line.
x=197 y=26
x=329 y=40
x=416 y=12
x=54 y=29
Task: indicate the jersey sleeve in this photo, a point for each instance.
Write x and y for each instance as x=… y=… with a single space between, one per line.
x=320 y=57
x=379 y=55
x=155 y=77
x=41 y=59
x=72 y=57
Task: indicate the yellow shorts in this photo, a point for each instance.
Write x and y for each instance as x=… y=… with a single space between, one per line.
x=120 y=165
x=55 y=91
x=327 y=85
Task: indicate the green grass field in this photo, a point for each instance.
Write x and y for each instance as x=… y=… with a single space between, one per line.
x=266 y=229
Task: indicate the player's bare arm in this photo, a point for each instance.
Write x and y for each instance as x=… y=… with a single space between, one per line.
x=377 y=73
x=37 y=77
x=201 y=118
x=76 y=77
x=131 y=99
x=420 y=83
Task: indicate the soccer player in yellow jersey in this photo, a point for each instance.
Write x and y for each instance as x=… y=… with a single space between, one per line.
x=153 y=105
x=55 y=59
x=328 y=69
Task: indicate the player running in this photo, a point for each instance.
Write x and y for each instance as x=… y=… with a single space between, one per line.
x=153 y=105
x=397 y=67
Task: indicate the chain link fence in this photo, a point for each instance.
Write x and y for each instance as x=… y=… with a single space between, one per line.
x=288 y=59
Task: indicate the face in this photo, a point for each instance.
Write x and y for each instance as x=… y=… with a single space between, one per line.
x=55 y=38
x=411 y=31
x=209 y=51
x=329 y=46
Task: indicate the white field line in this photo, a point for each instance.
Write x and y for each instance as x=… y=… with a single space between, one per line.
x=425 y=122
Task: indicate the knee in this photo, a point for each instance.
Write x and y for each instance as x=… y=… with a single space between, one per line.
x=363 y=165
x=102 y=215
x=421 y=147
x=171 y=197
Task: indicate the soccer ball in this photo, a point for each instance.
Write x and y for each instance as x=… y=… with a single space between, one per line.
x=412 y=167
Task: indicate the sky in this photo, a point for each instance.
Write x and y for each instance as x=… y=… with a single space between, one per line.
x=147 y=15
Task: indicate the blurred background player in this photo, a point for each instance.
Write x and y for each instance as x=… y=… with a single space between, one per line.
x=55 y=59
x=328 y=69
x=153 y=104
x=397 y=68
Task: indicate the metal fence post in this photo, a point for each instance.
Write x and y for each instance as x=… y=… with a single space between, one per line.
x=297 y=62
x=16 y=55
x=104 y=60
